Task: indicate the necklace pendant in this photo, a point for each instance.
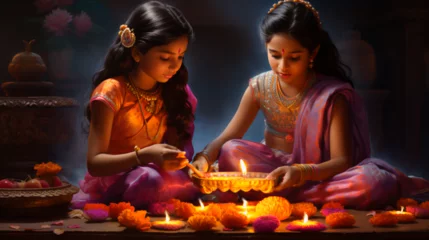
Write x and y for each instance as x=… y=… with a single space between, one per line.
x=150 y=107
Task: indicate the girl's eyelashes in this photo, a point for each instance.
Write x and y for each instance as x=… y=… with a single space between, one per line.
x=167 y=59
x=164 y=59
x=293 y=59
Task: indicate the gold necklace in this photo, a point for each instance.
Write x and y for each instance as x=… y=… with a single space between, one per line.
x=151 y=96
x=142 y=113
x=290 y=101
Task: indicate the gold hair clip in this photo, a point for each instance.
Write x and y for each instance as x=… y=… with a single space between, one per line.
x=306 y=4
x=127 y=36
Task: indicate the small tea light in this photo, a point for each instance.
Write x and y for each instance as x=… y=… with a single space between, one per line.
x=245 y=207
x=168 y=224
x=201 y=208
x=305 y=225
x=403 y=217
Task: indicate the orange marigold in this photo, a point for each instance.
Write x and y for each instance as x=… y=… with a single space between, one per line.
x=49 y=168
x=298 y=209
x=232 y=219
x=340 y=220
x=424 y=205
x=214 y=210
x=175 y=202
x=383 y=220
x=185 y=210
x=403 y=202
x=333 y=205
x=274 y=205
x=131 y=219
x=202 y=222
x=116 y=208
x=91 y=206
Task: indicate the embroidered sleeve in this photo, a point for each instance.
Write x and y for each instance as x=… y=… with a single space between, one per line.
x=256 y=93
x=110 y=93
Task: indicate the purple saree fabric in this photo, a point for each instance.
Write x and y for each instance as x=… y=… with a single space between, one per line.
x=370 y=183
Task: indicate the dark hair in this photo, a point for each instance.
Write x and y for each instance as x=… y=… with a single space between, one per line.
x=154 y=24
x=298 y=21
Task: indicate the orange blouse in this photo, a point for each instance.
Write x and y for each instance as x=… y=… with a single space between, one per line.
x=128 y=127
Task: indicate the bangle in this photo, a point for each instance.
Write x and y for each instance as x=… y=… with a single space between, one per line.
x=205 y=155
x=305 y=171
x=136 y=150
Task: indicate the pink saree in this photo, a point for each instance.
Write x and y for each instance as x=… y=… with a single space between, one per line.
x=370 y=183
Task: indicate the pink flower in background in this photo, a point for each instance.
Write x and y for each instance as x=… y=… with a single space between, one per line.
x=82 y=23
x=57 y=21
x=44 y=5
x=62 y=3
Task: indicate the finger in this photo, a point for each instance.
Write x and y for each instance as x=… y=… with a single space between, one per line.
x=286 y=183
x=170 y=154
x=275 y=174
x=171 y=147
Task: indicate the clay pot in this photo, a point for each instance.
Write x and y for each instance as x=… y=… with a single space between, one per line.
x=27 y=66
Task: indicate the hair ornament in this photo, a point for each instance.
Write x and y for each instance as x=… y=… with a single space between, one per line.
x=128 y=38
x=306 y=4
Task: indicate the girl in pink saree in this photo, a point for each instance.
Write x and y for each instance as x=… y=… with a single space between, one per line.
x=142 y=114
x=316 y=141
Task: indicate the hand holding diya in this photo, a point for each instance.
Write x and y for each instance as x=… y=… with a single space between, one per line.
x=403 y=217
x=305 y=225
x=234 y=181
x=168 y=224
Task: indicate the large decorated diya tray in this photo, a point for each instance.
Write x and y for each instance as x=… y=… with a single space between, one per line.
x=234 y=181
x=36 y=197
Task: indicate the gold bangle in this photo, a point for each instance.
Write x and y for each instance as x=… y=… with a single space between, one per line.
x=136 y=150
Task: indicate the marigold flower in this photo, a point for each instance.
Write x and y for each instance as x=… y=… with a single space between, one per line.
x=202 y=222
x=403 y=202
x=333 y=205
x=49 y=168
x=340 y=220
x=383 y=220
x=232 y=219
x=298 y=209
x=91 y=206
x=116 y=208
x=276 y=206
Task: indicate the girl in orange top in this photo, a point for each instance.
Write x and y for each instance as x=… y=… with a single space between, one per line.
x=141 y=113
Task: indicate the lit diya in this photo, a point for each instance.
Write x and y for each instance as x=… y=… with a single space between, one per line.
x=168 y=224
x=234 y=181
x=201 y=208
x=305 y=225
x=403 y=217
x=245 y=207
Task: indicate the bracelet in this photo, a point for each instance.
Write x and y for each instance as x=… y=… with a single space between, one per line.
x=136 y=150
x=305 y=170
x=205 y=155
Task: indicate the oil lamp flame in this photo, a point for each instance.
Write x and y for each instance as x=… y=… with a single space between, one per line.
x=243 y=167
x=201 y=203
x=167 y=217
x=305 y=218
x=402 y=208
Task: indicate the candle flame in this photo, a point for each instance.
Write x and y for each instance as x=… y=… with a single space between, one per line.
x=201 y=203
x=305 y=218
x=167 y=217
x=244 y=203
x=243 y=167
x=402 y=208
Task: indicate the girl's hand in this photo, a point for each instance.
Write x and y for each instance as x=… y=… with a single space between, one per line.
x=288 y=176
x=199 y=163
x=165 y=156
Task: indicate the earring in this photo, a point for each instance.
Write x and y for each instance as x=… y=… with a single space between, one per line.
x=137 y=60
x=311 y=64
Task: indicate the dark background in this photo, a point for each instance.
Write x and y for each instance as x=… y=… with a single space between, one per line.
x=227 y=52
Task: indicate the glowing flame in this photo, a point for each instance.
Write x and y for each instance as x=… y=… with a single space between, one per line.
x=402 y=209
x=243 y=167
x=167 y=217
x=201 y=203
x=305 y=218
x=244 y=203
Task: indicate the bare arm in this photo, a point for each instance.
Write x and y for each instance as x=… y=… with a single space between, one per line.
x=238 y=126
x=340 y=141
x=98 y=162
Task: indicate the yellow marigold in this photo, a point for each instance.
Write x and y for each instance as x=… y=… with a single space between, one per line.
x=127 y=218
x=116 y=208
x=274 y=205
x=49 y=168
x=298 y=209
x=340 y=220
x=335 y=205
x=403 y=202
x=91 y=206
x=424 y=205
x=202 y=222
x=232 y=219
x=185 y=210
x=383 y=220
